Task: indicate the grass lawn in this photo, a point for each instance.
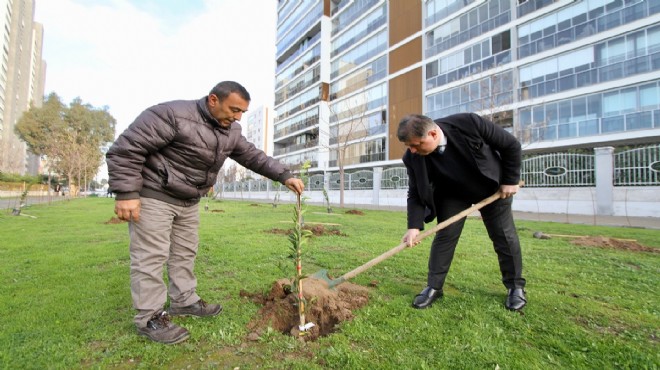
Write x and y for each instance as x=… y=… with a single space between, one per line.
x=66 y=299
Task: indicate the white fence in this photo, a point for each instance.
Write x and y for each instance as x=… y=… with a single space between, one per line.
x=604 y=183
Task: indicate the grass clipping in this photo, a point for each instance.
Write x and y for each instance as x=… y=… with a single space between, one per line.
x=329 y=308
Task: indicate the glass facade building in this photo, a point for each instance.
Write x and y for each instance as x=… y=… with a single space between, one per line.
x=555 y=73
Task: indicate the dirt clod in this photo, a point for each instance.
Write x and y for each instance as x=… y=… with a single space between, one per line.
x=613 y=243
x=114 y=220
x=326 y=308
x=354 y=212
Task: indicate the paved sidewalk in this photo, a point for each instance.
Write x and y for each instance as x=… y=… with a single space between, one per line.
x=639 y=222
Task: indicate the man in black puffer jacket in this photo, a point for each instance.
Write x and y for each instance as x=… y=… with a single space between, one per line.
x=159 y=168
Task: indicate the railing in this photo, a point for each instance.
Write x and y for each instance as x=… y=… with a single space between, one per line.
x=632 y=167
x=637 y=167
x=559 y=169
x=394 y=178
x=316 y=182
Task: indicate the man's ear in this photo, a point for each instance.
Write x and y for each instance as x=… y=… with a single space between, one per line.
x=212 y=98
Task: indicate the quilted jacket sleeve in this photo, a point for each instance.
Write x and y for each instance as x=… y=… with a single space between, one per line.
x=247 y=155
x=152 y=129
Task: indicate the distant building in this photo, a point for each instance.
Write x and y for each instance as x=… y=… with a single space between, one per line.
x=22 y=81
x=256 y=129
x=557 y=74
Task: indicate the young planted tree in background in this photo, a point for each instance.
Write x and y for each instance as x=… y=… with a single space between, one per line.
x=353 y=130
x=276 y=198
x=492 y=97
x=327 y=200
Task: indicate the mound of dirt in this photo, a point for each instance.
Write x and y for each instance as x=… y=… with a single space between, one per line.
x=320 y=230
x=354 y=212
x=217 y=210
x=114 y=220
x=317 y=230
x=605 y=242
x=325 y=308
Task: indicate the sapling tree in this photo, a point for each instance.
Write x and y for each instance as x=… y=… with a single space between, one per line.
x=327 y=200
x=276 y=198
x=297 y=238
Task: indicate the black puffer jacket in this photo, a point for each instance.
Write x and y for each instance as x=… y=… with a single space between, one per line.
x=173 y=152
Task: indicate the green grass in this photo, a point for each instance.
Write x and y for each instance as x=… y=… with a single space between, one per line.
x=66 y=299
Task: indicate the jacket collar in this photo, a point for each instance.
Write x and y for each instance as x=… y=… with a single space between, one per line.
x=206 y=115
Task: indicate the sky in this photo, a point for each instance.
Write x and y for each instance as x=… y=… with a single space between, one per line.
x=128 y=55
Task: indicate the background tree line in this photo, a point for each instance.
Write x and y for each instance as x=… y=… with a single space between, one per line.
x=69 y=138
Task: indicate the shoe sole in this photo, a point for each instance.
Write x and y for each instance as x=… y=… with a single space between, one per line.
x=176 y=340
x=192 y=314
x=420 y=308
x=428 y=305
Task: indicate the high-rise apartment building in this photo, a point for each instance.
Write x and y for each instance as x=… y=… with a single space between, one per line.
x=22 y=72
x=256 y=129
x=256 y=123
x=557 y=74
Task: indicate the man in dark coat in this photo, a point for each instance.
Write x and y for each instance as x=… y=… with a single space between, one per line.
x=159 y=168
x=452 y=163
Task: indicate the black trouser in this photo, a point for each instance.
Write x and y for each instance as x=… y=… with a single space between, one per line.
x=498 y=219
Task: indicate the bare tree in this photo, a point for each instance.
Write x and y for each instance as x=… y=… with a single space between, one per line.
x=492 y=97
x=352 y=129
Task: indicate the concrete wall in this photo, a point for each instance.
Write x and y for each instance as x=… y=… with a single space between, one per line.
x=626 y=201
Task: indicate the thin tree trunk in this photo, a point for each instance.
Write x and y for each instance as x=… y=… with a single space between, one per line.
x=341 y=178
x=50 y=197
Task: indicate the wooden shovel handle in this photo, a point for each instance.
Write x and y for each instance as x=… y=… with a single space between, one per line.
x=422 y=236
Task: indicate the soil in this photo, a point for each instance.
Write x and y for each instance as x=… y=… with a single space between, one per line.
x=114 y=220
x=613 y=243
x=354 y=212
x=326 y=308
x=317 y=230
x=217 y=210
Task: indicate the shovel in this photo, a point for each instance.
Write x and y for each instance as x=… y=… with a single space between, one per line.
x=323 y=274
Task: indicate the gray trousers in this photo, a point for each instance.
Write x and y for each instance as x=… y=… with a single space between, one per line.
x=165 y=235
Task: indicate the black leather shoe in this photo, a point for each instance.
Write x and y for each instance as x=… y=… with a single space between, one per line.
x=426 y=298
x=515 y=300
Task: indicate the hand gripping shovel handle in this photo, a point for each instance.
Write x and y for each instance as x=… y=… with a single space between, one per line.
x=404 y=245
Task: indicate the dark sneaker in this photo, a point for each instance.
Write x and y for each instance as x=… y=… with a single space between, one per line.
x=160 y=329
x=200 y=309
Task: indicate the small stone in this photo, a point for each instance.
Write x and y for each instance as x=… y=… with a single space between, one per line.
x=253 y=337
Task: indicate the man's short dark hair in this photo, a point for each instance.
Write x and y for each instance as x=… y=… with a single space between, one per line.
x=414 y=126
x=224 y=88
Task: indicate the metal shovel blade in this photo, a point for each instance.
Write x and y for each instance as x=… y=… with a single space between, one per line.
x=322 y=275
